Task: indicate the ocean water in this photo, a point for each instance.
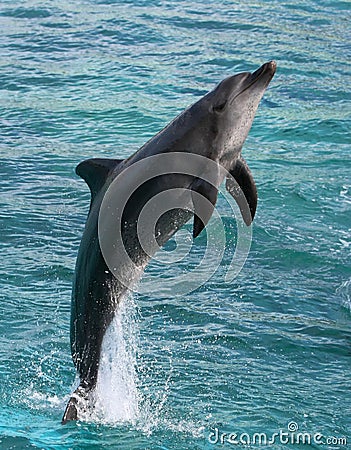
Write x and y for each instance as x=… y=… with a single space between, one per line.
x=268 y=352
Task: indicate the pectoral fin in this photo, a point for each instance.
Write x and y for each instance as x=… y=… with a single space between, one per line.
x=242 y=188
x=204 y=197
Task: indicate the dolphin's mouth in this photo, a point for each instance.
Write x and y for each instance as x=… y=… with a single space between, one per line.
x=268 y=70
x=265 y=73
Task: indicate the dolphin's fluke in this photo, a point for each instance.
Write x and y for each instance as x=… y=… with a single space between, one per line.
x=204 y=197
x=247 y=194
x=79 y=395
x=95 y=171
x=71 y=412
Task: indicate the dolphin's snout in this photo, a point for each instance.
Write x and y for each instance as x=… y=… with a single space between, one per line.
x=266 y=70
x=271 y=66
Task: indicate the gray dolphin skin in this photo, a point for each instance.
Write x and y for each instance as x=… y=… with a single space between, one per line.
x=215 y=128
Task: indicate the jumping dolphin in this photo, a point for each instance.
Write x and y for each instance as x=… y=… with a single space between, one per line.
x=214 y=130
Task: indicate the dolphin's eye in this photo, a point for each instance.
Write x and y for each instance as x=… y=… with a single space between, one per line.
x=219 y=108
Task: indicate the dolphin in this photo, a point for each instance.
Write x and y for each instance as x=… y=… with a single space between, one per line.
x=208 y=136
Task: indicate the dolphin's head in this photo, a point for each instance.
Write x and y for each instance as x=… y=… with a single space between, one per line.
x=231 y=108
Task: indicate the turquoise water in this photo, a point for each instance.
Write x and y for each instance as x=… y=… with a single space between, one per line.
x=272 y=348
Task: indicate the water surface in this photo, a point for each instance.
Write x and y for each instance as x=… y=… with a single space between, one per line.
x=99 y=78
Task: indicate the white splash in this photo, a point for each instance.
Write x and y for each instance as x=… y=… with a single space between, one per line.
x=345 y=293
x=126 y=392
x=116 y=394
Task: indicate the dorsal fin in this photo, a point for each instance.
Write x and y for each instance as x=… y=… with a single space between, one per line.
x=95 y=172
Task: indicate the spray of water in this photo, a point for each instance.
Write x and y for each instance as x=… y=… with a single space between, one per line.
x=116 y=398
x=122 y=395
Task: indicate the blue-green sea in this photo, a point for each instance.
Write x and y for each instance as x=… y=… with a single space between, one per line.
x=268 y=353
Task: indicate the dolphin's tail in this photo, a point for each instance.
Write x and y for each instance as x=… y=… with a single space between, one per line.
x=71 y=411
